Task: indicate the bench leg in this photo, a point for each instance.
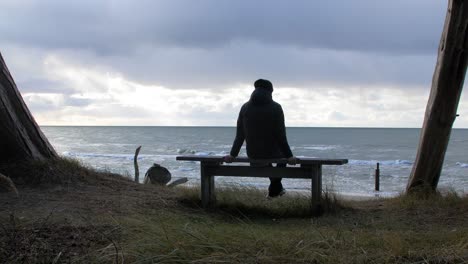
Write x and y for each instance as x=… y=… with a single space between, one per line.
x=316 y=189
x=207 y=188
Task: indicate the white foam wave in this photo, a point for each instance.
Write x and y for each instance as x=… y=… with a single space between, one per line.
x=320 y=147
x=186 y=169
x=114 y=156
x=186 y=151
x=382 y=162
x=210 y=153
x=463 y=165
x=200 y=153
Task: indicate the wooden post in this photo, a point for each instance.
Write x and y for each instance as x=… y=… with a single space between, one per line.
x=207 y=186
x=135 y=163
x=447 y=85
x=316 y=172
x=377 y=178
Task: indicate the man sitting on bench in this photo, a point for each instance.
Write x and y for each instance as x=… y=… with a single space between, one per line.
x=261 y=125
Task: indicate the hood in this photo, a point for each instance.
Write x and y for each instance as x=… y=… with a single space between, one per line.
x=261 y=97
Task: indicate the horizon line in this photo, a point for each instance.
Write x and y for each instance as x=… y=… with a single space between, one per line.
x=208 y=126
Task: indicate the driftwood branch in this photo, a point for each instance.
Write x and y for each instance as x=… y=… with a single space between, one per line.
x=135 y=163
x=177 y=182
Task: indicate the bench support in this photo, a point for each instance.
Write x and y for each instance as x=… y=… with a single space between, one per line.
x=208 y=196
x=211 y=169
x=316 y=188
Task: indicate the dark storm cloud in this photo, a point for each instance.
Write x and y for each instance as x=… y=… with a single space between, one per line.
x=39 y=103
x=110 y=27
x=77 y=102
x=40 y=85
x=218 y=43
x=245 y=62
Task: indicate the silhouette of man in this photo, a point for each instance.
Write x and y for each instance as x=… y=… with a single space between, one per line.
x=261 y=125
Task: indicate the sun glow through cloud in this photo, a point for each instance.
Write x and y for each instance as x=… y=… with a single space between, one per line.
x=106 y=98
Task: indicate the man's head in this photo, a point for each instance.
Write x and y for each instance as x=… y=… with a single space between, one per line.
x=263 y=84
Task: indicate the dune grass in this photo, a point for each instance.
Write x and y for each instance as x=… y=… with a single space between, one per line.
x=247 y=228
x=99 y=218
x=56 y=172
x=247 y=201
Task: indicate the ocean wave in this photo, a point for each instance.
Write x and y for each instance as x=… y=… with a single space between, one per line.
x=210 y=153
x=463 y=165
x=186 y=151
x=382 y=162
x=320 y=147
x=114 y=156
x=203 y=153
x=200 y=153
x=186 y=169
x=224 y=146
x=140 y=157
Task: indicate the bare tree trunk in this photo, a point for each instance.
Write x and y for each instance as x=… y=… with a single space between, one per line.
x=20 y=136
x=441 y=111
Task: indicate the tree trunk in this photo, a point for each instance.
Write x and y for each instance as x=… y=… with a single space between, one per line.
x=441 y=111
x=20 y=136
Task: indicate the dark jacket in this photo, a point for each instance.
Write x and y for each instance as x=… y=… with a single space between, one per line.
x=261 y=125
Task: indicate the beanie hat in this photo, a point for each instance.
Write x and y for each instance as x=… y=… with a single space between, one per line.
x=264 y=84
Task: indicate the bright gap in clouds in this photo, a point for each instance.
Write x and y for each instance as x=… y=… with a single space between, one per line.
x=103 y=98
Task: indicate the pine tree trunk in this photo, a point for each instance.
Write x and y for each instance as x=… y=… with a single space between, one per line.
x=441 y=111
x=20 y=136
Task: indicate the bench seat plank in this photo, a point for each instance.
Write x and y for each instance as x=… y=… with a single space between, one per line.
x=305 y=161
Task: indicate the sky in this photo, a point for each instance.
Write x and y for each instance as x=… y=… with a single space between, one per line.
x=360 y=63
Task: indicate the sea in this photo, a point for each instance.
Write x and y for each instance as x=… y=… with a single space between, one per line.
x=112 y=149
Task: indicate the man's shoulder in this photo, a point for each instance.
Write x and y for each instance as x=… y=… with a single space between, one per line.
x=276 y=105
x=244 y=107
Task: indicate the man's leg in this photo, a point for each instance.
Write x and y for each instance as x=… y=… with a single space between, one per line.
x=276 y=187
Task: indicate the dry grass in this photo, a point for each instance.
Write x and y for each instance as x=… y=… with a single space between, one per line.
x=242 y=201
x=71 y=214
x=83 y=216
x=57 y=172
x=349 y=236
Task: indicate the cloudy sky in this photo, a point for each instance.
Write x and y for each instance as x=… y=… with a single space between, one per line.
x=361 y=63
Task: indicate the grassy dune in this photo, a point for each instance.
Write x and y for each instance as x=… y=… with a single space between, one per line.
x=83 y=216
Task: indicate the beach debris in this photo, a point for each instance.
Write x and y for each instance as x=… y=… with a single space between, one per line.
x=177 y=182
x=157 y=174
x=7 y=185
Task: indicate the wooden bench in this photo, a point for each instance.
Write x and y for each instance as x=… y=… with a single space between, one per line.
x=309 y=168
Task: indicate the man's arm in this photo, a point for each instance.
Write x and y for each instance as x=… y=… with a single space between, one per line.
x=240 y=136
